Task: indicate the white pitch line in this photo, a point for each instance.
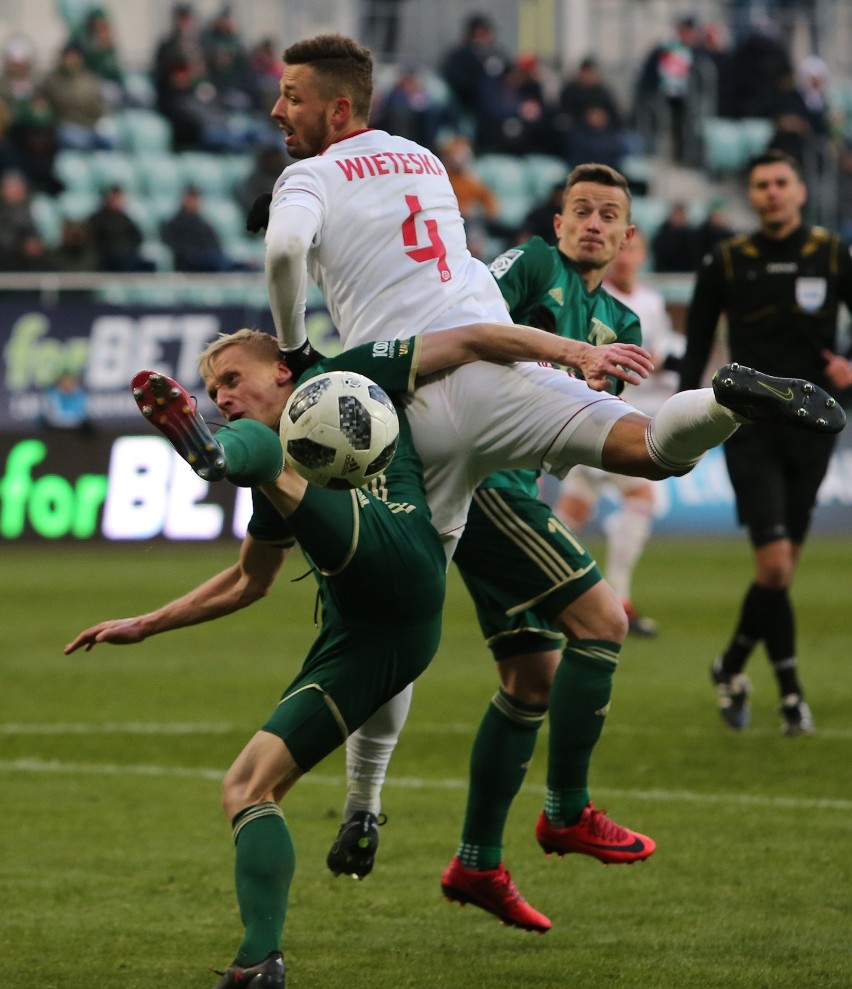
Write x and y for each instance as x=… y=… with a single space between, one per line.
x=425 y=728
x=415 y=783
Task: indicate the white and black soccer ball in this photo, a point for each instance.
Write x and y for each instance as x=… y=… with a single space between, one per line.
x=339 y=430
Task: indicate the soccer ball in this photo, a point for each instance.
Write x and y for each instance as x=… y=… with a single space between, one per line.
x=339 y=430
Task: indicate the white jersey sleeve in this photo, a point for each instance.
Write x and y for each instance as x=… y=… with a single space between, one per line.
x=388 y=251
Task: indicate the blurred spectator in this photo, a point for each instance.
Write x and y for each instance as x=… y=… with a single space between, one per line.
x=813 y=89
x=587 y=88
x=33 y=133
x=270 y=161
x=227 y=62
x=539 y=221
x=595 y=138
x=199 y=121
x=75 y=97
x=64 y=405
x=715 y=67
x=713 y=228
x=380 y=27
x=100 y=54
x=267 y=66
x=17 y=227
x=18 y=83
x=802 y=115
x=666 y=75
x=9 y=160
x=180 y=47
x=844 y=192
x=32 y=130
x=76 y=251
x=478 y=204
x=193 y=241
x=674 y=245
x=409 y=108
x=525 y=114
x=759 y=65
x=116 y=236
x=474 y=71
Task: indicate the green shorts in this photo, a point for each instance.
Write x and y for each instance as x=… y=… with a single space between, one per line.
x=522 y=567
x=382 y=582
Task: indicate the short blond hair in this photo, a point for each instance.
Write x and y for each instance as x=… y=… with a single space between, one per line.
x=262 y=345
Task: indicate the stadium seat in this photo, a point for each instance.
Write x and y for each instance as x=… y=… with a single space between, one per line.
x=114 y=168
x=47 y=219
x=755 y=135
x=144 y=131
x=506 y=176
x=73 y=170
x=543 y=172
x=139 y=210
x=160 y=175
x=648 y=212
x=206 y=171
x=724 y=148
x=226 y=217
x=73 y=205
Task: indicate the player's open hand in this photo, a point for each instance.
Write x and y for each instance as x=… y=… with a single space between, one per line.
x=625 y=361
x=118 y=631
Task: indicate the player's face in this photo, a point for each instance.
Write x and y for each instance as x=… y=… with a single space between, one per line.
x=593 y=224
x=776 y=194
x=628 y=261
x=245 y=387
x=302 y=114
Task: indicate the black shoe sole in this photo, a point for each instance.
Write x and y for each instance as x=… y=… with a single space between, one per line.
x=759 y=397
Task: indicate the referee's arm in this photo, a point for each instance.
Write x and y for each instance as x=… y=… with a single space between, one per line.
x=702 y=319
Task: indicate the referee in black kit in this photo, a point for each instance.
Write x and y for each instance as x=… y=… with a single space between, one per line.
x=780 y=289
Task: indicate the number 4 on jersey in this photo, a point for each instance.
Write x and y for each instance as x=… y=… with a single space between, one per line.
x=434 y=250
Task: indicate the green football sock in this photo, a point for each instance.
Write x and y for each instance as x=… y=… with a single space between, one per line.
x=264 y=868
x=253 y=452
x=501 y=753
x=579 y=702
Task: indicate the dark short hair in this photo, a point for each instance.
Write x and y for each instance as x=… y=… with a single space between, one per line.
x=601 y=175
x=341 y=65
x=774 y=156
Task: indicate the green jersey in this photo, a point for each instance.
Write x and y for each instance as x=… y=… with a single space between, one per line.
x=392 y=364
x=543 y=287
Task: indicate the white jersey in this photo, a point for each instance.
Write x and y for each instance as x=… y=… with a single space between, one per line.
x=659 y=338
x=389 y=253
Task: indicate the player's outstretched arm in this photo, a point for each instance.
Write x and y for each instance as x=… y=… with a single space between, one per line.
x=507 y=342
x=248 y=580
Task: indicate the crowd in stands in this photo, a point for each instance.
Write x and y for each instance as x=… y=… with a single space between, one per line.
x=215 y=91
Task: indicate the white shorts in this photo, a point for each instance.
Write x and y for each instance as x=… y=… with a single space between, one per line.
x=481 y=417
x=589 y=483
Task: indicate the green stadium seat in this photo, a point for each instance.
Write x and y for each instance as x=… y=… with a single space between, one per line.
x=755 y=134
x=72 y=168
x=506 y=176
x=226 y=217
x=114 y=168
x=206 y=171
x=648 y=212
x=543 y=172
x=47 y=218
x=724 y=148
x=73 y=205
x=160 y=175
x=144 y=131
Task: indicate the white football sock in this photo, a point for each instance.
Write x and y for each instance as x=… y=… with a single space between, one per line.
x=685 y=427
x=627 y=531
x=369 y=751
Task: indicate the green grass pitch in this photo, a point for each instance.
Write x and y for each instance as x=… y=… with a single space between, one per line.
x=116 y=862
